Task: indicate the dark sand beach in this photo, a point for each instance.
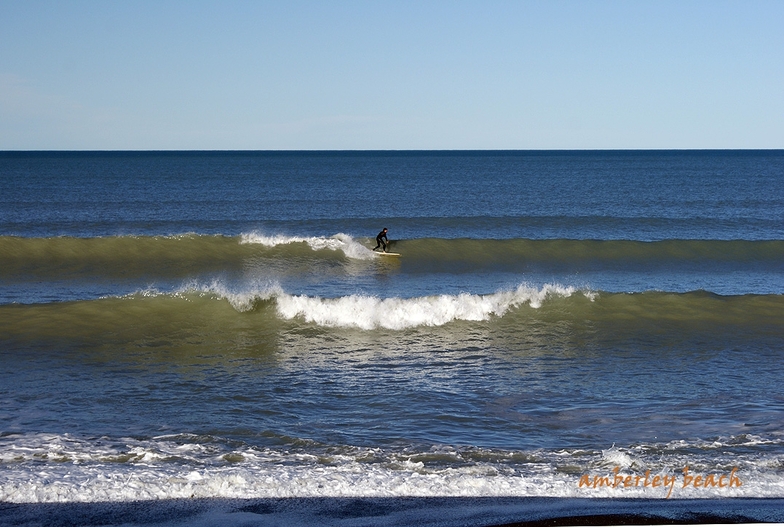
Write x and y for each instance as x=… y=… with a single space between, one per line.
x=528 y=512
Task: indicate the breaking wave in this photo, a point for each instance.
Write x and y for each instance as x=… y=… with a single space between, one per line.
x=367 y=312
x=339 y=242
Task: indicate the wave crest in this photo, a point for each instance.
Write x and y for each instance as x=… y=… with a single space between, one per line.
x=338 y=242
x=367 y=312
x=243 y=300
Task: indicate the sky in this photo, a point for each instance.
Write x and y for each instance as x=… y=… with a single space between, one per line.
x=391 y=75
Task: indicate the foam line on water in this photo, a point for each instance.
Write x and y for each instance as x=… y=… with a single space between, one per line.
x=150 y=478
x=74 y=469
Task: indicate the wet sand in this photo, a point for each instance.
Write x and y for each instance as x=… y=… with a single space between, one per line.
x=453 y=512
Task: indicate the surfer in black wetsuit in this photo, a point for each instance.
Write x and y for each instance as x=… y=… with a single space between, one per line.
x=380 y=240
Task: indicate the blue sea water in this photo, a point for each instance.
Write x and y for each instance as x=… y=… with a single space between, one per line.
x=216 y=325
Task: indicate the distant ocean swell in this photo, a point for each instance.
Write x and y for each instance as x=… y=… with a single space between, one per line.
x=188 y=254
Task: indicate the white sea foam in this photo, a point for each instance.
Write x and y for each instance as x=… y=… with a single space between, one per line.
x=50 y=468
x=367 y=312
x=619 y=458
x=338 y=242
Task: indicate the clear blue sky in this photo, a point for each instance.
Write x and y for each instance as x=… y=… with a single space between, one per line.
x=391 y=75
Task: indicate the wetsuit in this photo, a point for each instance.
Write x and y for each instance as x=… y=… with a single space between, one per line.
x=380 y=240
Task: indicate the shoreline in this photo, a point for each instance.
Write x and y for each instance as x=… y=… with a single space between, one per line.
x=453 y=512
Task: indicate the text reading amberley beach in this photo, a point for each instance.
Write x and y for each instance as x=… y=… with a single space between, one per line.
x=697 y=481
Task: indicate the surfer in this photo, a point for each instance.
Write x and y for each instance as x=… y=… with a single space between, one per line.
x=380 y=240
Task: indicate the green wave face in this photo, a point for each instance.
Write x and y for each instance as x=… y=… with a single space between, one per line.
x=186 y=255
x=518 y=254
x=121 y=256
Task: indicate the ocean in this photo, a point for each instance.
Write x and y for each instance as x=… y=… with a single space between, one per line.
x=562 y=330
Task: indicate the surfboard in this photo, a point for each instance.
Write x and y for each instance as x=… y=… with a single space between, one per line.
x=389 y=254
